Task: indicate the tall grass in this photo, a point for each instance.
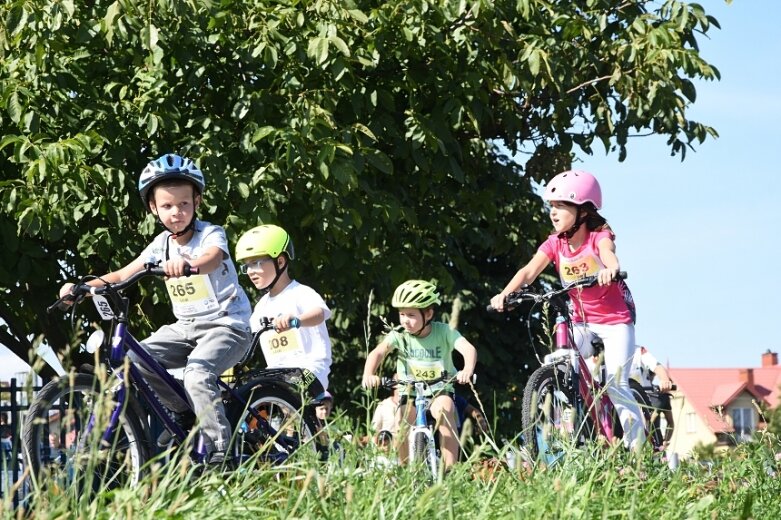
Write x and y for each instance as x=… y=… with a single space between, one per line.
x=587 y=483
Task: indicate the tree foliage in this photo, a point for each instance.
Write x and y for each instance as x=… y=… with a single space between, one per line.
x=393 y=139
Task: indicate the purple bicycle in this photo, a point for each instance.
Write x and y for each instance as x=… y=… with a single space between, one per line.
x=98 y=425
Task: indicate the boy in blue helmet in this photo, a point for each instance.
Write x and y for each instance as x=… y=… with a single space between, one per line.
x=211 y=333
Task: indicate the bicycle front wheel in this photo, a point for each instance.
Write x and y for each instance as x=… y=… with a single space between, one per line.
x=549 y=414
x=63 y=437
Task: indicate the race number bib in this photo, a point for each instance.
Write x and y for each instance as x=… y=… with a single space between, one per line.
x=423 y=370
x=192 y=295
x=575 y=268
x=276 y=345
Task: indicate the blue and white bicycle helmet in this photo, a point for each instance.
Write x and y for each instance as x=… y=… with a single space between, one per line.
x=167 y=167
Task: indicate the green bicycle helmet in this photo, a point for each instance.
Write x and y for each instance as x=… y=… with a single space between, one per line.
x=266 y=240
x=415 y=294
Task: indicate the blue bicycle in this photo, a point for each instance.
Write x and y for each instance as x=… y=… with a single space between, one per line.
x=422 y=441
x=99 y=424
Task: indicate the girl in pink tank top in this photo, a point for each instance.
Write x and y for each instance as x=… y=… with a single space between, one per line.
x=582 y=245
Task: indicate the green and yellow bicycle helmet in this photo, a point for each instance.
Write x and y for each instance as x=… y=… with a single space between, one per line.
x=266 y=240
x=415 y=294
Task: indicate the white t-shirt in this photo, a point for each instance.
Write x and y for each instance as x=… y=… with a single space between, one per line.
x=305 y=347
x=643 y=365
x=216 y=296
x=384 y=417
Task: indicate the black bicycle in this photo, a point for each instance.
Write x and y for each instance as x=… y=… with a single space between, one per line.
x=97 y=425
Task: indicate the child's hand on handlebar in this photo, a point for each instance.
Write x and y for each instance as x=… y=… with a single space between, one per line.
x=606 y=276
x=370 y=381
x=65 y=290
x=284 y=322
x=464 y=377
x=175 y=267
x=497 y=302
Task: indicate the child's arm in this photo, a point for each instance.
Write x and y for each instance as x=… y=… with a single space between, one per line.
x=607 y=253
x=209 y=261
x=310 y=318
x=119 y=275
x=373 y=361
x=525 y=275
x=469 y=352
x=665 y=384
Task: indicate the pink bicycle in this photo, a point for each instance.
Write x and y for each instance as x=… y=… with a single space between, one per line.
x=562 y=403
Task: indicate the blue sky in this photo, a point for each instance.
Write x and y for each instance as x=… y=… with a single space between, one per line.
x=692 y=235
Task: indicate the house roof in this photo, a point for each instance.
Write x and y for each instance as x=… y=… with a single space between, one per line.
x=707 y=388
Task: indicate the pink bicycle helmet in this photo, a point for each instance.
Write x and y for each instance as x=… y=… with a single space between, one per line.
x=575 y=186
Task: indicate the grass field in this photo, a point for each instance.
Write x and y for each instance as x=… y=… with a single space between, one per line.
x=588 y=483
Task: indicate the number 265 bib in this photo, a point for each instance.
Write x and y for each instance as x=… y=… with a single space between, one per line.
x=192 y=295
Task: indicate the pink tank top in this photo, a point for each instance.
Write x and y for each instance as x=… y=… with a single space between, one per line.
x=607 y=305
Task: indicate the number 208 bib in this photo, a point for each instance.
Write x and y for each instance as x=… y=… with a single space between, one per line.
x=192 y=295
x=277 y=345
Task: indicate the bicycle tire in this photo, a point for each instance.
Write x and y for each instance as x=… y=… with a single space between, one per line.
x=296 y=425
x=117 y=463
x=549 y=414
x=419 y=447
x=653 y=433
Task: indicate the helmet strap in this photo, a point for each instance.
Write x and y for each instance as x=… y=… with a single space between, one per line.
x=187 y=228
x=580 y=218
x=425 y=322
x=278 y=270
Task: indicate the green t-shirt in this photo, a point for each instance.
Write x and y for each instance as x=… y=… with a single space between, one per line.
x=425 y=358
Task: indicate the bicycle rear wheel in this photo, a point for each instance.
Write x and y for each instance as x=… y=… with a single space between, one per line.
x=652 y=430
x=274 y=425
x=62 y=437
x=549 y=414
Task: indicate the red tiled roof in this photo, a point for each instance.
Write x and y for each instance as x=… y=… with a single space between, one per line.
x=710 y=387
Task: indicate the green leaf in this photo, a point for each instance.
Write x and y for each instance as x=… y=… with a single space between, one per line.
x=16 y=19
x=318 y=49
x=340 y=45
x=380 y=161
x=262 y=132
x=14 y=107
x=10 y=139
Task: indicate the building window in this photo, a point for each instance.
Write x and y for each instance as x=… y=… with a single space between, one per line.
x=743 y=422
x=691 y=422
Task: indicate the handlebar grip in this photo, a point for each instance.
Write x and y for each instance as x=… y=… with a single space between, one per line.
x=190 y=270
x=295 y=322
x=490 y=308
x=621 y=275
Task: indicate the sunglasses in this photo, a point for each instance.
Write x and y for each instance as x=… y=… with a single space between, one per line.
x=254 y=266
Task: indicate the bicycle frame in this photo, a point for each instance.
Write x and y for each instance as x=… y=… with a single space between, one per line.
x=422 y=426
x=601 y=408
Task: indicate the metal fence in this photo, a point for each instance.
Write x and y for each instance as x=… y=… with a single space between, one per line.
x=13 y=405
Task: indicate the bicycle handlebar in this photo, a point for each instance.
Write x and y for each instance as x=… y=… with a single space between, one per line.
x=516 y=297
x=390 y=383
x=80 y=290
